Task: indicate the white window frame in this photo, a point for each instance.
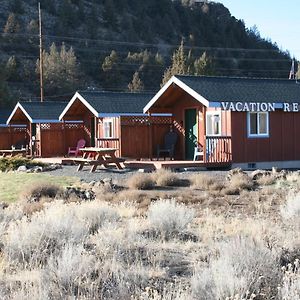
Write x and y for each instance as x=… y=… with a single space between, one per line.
x=219 y=114
x=108 y=121
x=258 y=135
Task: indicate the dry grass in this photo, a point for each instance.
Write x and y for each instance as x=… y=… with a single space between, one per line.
x=266 y=180
x=35 y=192
x=206 y=182
x=141 y=182
x=239 y=182
x=164 y=178
x=190 y=244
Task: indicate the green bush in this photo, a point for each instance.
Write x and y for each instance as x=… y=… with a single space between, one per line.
x=13 y=163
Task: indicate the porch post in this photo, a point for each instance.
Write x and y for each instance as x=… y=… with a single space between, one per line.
x=120 y=135
x=65 y=135
x=150 y=137
x=10 y=136
x=204 y=126
x=30 y=139
x=96 y=131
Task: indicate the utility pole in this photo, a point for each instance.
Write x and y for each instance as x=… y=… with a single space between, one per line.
x=41 y=55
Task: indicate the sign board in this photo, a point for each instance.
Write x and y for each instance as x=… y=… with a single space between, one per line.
x=259 y=106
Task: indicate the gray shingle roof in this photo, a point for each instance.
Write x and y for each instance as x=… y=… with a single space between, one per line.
x=111 y=102
x=229 y=89
x=44 y=110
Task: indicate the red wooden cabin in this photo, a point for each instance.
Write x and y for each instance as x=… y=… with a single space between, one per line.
x=245 y=122
x=116 y=120
x=42 y=132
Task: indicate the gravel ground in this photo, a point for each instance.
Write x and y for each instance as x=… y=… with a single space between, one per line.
x=118 y=175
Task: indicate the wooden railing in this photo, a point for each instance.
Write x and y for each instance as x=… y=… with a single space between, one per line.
x=218 y=149
x=109 y=143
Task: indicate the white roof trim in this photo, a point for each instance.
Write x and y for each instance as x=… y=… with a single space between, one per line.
x=14 y=111
x=182 y=85
x=80 y=98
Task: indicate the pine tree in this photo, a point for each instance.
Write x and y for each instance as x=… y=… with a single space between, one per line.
x=12 y=25
x=11 y=68
x=136 y=85
x=179 y=64
x=112 y=76
x=110 y=61
x=203 y=65
x=61 y=70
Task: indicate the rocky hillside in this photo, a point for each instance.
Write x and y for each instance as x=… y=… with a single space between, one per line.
x=103 y=43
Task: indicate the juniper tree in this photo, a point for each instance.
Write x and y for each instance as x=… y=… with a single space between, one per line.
x=11 y=68
x=203 y=65
x=12 y=25
x=61 y=70
x=179 y=64
x=136 y=85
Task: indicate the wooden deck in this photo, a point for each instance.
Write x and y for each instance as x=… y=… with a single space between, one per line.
x=148 y=164
x=173 y=164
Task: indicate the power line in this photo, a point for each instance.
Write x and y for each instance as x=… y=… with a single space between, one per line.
x=140 y=44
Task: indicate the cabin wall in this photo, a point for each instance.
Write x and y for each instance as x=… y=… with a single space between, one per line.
x=54 y=139
x=141 y=135
x=10 y=136
x=177 y=109
x=282 y=144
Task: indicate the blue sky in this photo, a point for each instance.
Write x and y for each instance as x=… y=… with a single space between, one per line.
x=278 y=20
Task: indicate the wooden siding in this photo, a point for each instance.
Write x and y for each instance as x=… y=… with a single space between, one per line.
x=54 y=139
x=283 y=143
x=140 y=136
x=10 y=136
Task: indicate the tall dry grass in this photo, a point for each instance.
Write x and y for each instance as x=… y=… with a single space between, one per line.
x=198 y=250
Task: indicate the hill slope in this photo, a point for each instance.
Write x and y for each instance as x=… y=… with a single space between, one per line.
x=143 y=34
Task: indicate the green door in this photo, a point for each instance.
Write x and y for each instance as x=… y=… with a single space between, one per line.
x=191 y=132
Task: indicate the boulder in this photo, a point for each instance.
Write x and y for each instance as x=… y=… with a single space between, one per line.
x=234 y=172
x=260 y=173
x=22 y=169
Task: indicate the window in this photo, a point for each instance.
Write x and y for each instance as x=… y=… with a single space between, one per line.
x=108 y=129
x=213 y=123
x=258 y=124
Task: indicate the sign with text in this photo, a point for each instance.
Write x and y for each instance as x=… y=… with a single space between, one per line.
x=259 y=106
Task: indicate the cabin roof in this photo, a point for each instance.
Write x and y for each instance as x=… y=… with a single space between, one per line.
x=209 y=90
x=101 y=103
x=233 y=89
x=39 y=112
x=112 y=102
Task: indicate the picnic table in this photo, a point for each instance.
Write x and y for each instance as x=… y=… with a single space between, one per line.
x=13 y=152
x=98 y=156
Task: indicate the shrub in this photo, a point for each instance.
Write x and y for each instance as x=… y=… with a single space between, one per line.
x=290 y=287
x=168 y=217
x=13 y=163
x=141 y=182
x=243 y=267
x=67 y=273
x=266 y=180
x=42 y=189
x=206 y=182
x=164 y=177
x=240 y=181
x=291 y=209
x=96 y=214
x=32 y=241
